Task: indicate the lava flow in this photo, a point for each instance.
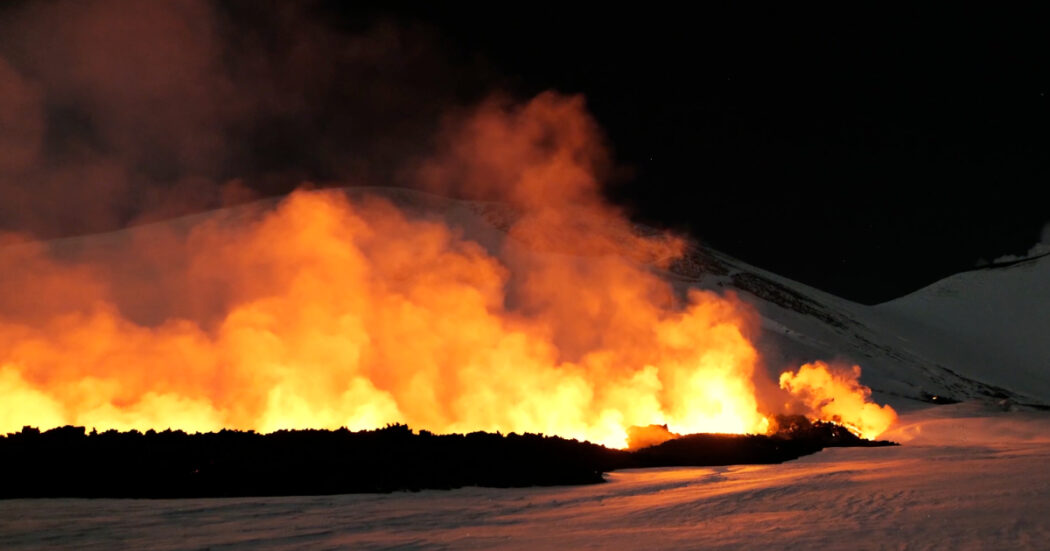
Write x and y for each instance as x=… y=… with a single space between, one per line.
x=326 y=312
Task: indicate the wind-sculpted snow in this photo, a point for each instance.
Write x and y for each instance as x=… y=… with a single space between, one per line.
x=967 y=478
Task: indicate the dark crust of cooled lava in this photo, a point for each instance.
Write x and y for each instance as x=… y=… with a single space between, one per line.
x=67 y=462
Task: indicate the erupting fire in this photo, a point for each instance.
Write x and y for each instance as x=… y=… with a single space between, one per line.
x=837 y=396
x=327 y=312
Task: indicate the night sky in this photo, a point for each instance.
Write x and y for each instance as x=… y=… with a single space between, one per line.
x=866 y=154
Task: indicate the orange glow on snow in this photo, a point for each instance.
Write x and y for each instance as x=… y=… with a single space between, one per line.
x=326 y=312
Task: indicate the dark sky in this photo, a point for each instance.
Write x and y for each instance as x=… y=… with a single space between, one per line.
x=864 y=153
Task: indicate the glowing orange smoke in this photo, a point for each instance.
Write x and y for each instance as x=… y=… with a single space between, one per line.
x=649 y=435
x=837 y=395
x=325 y=312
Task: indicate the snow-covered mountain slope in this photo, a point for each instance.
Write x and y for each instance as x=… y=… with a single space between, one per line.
x=991 y=324
x=977 y=335
x=904 y=354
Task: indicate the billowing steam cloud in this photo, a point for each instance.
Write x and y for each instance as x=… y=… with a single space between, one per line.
x=330 y=309
x=1041 y=248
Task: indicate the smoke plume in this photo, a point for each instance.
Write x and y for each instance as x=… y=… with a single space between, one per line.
x=326 y=308
x=115 y=112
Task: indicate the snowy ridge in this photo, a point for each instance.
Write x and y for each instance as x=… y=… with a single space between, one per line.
x=990 y=324
x=903 y=355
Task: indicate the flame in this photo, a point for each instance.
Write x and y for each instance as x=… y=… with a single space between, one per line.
x=326 y=312
x=651 y=435
x=837 y=396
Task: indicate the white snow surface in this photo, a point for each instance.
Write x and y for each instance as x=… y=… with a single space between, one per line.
x=966 y=478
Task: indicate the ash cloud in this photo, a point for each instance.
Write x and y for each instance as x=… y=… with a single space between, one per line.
x=115 y=112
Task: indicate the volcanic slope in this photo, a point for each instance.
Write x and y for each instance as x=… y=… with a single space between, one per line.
x=974 y=335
